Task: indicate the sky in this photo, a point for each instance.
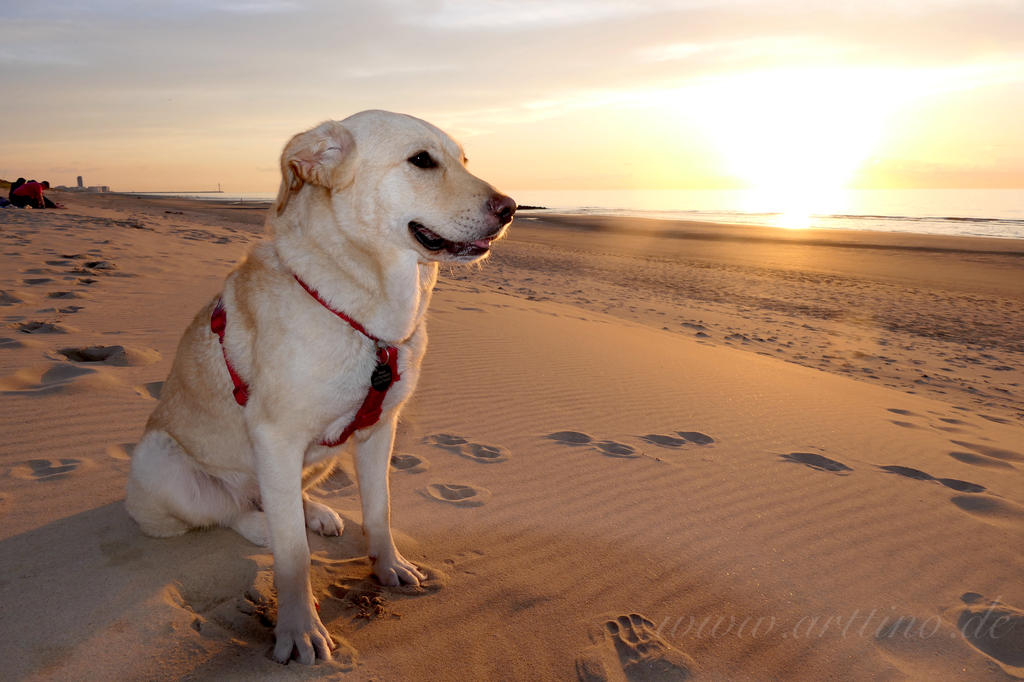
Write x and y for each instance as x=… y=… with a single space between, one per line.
x=579 y=94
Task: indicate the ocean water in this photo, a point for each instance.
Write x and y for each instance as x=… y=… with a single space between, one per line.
x=967 y=212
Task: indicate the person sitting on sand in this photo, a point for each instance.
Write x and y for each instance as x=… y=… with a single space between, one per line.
x=31 y=194
x=15 y=185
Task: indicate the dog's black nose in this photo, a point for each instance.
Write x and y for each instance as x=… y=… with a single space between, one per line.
x=502 y=207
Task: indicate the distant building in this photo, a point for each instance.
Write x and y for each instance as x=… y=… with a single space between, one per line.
x=80 y=188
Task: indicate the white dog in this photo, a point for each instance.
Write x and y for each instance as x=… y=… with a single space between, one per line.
x=315 y=342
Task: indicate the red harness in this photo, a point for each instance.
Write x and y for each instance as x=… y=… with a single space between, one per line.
x=384 y=374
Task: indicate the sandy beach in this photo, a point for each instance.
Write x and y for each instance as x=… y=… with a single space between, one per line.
x=638 y=451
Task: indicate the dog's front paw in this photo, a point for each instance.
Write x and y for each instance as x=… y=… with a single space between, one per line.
x=301 y=632
x=322 y=519
x=393 y=569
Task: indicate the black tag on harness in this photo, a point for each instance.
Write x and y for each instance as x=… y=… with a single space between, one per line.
x=381 y=378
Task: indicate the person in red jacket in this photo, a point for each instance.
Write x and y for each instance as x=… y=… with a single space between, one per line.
x=31 y=194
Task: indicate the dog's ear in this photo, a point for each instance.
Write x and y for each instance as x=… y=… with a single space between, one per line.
x=320 y=157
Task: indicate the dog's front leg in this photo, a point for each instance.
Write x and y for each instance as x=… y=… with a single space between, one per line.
x=279 y=466
x=373 y=457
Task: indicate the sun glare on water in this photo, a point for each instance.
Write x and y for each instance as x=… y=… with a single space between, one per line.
x=796 y=138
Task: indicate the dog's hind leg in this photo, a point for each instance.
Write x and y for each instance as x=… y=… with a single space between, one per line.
x=252 y=525
x=153 y=519
x=168 y=495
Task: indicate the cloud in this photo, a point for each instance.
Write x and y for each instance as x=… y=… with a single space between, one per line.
x=793 y=48
x=461 y=15
x=268 y=7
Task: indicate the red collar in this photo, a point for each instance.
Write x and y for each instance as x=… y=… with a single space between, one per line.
x=355 y=325
x=385 y=351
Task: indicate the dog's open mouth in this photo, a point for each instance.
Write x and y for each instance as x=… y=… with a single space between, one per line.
x=432 y=241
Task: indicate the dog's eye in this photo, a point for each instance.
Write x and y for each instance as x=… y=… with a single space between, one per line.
x=423 y=160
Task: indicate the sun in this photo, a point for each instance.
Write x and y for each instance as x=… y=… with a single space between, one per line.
x=796 y=137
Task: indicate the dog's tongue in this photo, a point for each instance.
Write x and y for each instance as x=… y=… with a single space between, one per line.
x=482 y=243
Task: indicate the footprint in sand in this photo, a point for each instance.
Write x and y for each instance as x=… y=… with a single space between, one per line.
x=337 y=482
x=696 y=437
x=349 y=581
x=664 y=441
x=995 y=629
x=444 y=440
x=991 y=510
x=95 y=267
x=904 y=413
x=43 y=328
x=459 y=494
x=150 y=390
x=570 y=438
x=818 y=462
x=488 y=454
x=410 y=464
x=990 y=451
x=610 y=448
x=36 y=281
x=918 y=475
x=949 y=429
x=8 y=298
x=44 y=379
x=111 y=355
x=217 y=615
x=980 y=460
x=682 y=438
x=969 y=641
x=46 y=469
x=8 y=342
x=630 y=647
x=114 y=355
x=485 y=454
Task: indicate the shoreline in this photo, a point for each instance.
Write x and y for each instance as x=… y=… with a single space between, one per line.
x=670 y=228
x=744 y=232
